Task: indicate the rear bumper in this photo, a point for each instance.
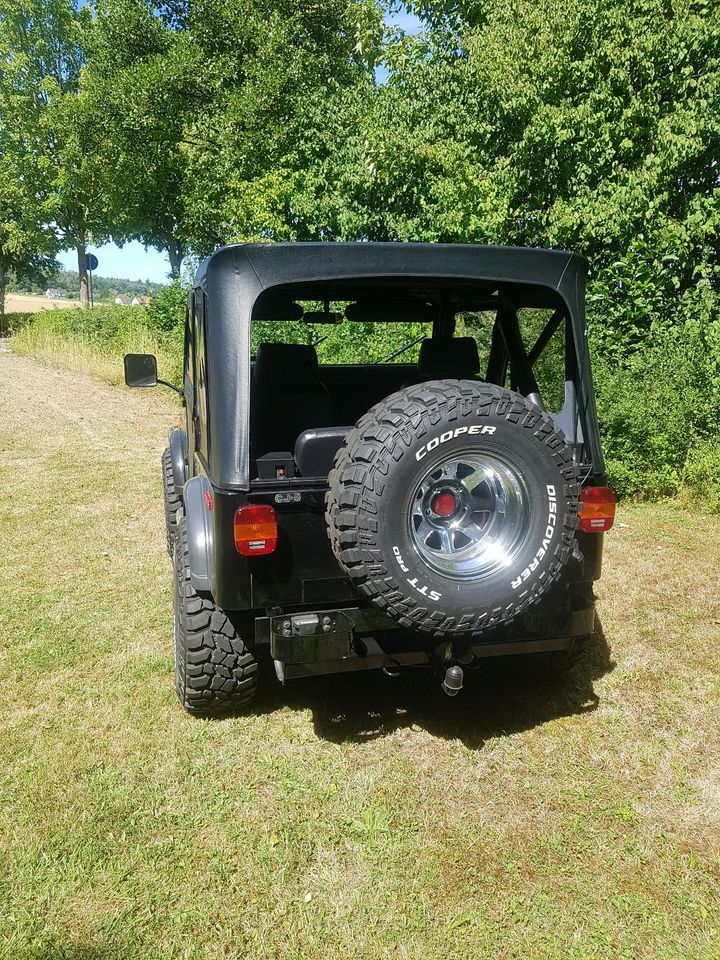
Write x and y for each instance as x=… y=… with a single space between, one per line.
x=355 y=638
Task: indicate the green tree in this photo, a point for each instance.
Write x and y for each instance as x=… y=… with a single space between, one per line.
x=144 y=80
x=593 y=125
x=43 y=44
x=27 y=244
x=266 y=74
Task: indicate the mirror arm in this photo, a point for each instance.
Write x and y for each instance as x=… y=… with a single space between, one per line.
x=173 y=387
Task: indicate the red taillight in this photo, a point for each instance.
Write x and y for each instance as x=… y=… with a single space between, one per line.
x=255 y=530
x=597 y=509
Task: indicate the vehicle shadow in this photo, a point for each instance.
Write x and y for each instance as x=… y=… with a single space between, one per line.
x=504 y=696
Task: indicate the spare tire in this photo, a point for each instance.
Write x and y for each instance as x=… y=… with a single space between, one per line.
x=453 y=506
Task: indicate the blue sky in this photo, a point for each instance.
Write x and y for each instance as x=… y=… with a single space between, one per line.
x=408 y=21
x=132 y=261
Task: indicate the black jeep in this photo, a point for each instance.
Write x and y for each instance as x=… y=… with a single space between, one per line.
x=413 y=508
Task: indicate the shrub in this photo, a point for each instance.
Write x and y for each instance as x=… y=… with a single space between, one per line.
x=96 y=340
x=166 y=313
x=12 y=322
x=658 y=412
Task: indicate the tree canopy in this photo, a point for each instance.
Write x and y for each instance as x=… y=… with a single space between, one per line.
x=191 y=123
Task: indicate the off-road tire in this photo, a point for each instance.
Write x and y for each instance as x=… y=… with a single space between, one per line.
x=173 y=500
x=370 y=494
x=215 y=673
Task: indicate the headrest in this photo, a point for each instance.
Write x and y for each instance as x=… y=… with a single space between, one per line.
x=286 y=361
x=458 y=358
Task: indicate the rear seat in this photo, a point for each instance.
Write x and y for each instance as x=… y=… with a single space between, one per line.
x=455 y=359
x=287 y=396
x=292 y=409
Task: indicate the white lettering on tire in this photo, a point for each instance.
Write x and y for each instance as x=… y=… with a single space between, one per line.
x=549 y=534
x=415 y=583
x=472 y=431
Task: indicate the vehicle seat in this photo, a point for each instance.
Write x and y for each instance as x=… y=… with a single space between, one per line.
x=315 y=450
x=455 y=359
x=287 y=396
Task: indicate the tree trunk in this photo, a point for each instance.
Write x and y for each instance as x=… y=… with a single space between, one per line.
x=3 y=281
x=82 y=271
x=175 y=253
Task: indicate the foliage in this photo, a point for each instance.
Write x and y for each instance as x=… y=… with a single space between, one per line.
x=41 y=56
x=658 y=413
x=103 y=334
x=201 y=122
x=10 y=323
x=593 y=126
x=166 y=313
x=347 y=342
x=26 y=245
x=143 y=81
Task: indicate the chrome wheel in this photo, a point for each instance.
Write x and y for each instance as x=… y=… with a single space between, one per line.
x=469 y=516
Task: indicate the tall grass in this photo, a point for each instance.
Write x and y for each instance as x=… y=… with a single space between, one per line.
x=95 y=341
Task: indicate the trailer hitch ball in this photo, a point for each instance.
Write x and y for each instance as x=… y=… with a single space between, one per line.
x=453 y=681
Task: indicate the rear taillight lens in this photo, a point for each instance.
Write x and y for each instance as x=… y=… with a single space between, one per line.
x=597 y=509
x=255 y=530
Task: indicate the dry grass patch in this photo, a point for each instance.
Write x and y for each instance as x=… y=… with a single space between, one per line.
x=349 y=816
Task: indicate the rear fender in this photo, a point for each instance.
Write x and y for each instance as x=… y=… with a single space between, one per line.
x=179 y=458
x=201 y=548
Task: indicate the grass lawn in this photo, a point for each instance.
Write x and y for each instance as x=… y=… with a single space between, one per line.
x=348 y=817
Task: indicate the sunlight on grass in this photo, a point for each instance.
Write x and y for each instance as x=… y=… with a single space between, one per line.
x=347 y=817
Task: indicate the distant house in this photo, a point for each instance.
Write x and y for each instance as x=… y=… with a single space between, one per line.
x=119 y=301
x=56 y=293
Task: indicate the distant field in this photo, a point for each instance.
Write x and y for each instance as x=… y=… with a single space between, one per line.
x=22 y=303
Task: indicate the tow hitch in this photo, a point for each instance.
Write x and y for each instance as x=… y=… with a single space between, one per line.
x=453 y=681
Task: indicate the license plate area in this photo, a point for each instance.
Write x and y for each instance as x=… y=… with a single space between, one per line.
x=311 y=637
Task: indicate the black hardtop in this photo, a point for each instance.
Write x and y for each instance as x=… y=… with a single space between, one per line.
x=266 y=265
x=233 y=277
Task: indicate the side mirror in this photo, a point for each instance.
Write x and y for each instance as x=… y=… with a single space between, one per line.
x=140 y=370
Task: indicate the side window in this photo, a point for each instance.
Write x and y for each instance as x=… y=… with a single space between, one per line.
x=547 y=354
x=188 y=371
x=201 y=424
x=549 y=365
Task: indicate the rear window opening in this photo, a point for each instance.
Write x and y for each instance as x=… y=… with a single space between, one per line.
x=324 y=353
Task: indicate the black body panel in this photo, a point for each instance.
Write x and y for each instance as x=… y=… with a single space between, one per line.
x=303 y=572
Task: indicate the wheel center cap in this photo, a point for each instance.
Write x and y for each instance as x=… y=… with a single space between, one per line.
x=444 y=504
